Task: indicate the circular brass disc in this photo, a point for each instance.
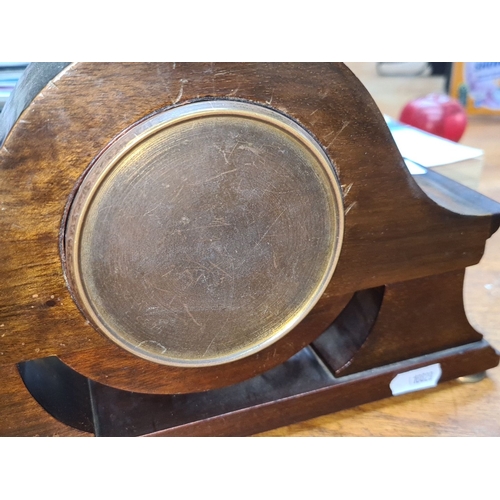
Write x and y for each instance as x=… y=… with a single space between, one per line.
x=204 y=233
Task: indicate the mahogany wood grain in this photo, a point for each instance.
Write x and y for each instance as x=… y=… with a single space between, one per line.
x=357 y=390
x=417 y=317
x=297 y=389
x=126 y=371
x=393 y=231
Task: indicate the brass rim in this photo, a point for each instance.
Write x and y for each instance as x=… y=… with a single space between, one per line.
x=107 y=171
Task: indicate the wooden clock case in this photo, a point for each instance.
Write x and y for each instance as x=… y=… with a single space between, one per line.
x=393 y=304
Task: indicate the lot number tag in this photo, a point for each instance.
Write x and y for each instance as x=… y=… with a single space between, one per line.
x=416 y=380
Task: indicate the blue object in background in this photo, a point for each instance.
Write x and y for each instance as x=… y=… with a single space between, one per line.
x=10 y=72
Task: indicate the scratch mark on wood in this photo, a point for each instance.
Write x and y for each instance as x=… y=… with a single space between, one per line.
x=52 y=84
x=346 y=188
x=344 y=125
x=350 y=207
x=181 y=91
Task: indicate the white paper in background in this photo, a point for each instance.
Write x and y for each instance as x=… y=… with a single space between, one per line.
x=427 y=149
x=414 y=168
x=416 y=380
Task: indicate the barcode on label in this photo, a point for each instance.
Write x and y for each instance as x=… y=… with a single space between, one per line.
x=416 y=380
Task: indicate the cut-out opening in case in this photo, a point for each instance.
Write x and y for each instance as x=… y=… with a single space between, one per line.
x=93 y=407
x=342 y=340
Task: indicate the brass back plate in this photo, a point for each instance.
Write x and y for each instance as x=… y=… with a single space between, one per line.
x=204 y=233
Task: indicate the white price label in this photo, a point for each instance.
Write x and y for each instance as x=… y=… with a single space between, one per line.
x=416 y=380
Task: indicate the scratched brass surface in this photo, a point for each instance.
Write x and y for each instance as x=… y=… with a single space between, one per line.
x=204 y=233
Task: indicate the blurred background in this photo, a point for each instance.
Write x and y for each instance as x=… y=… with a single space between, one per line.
x=9 y=75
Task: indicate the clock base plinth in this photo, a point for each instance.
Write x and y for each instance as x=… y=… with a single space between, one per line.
x=301 y=388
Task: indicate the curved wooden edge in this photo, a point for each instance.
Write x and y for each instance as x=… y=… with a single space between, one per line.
x=112 y=366
x=416 y=318
x=21 y=415
x=346 y=335
x=459 y=198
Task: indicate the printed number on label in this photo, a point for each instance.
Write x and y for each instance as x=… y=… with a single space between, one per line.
x=416 y=380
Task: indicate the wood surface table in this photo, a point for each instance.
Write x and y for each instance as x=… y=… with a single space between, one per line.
x=452 y=408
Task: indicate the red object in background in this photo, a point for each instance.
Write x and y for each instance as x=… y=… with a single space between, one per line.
x=438 y=114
